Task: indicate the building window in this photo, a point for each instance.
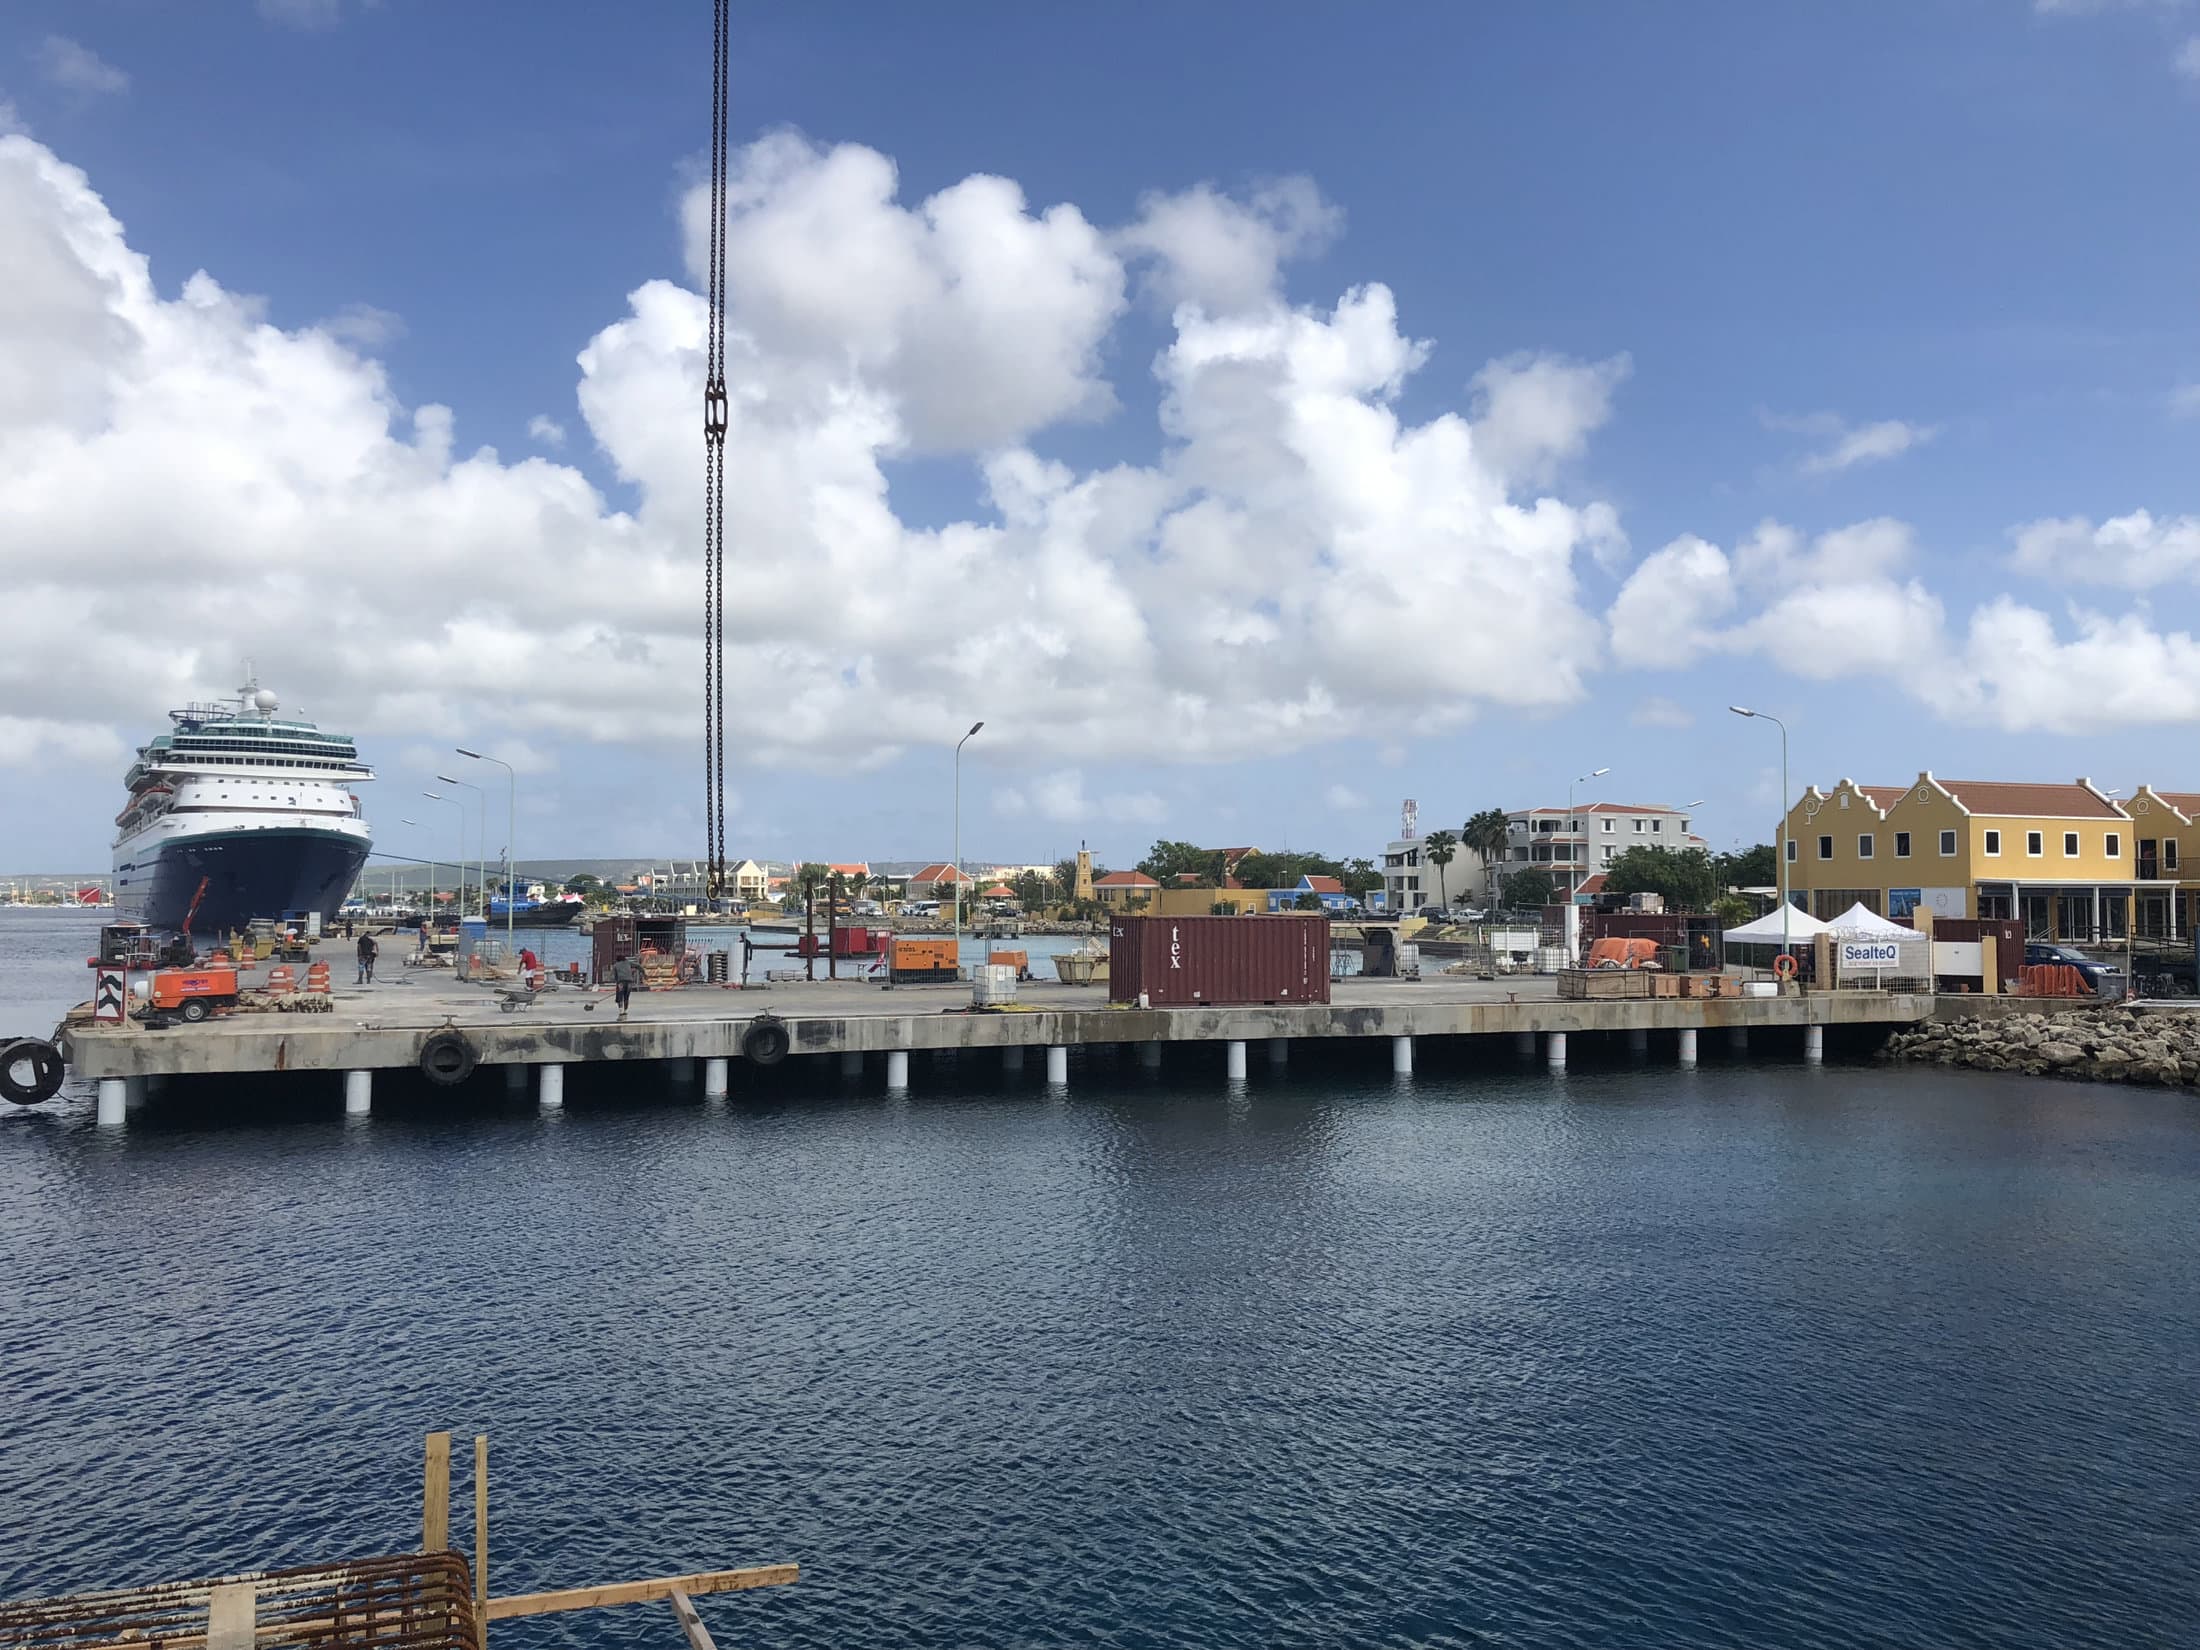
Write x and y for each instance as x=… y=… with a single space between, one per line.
x=2035 y=844
x=2070 y=844
x=1610 y=825
x=1902 y=845
x=1947 y=845
x=1825 y=847
x=2169 y=853
x=1791 y=850
x=2112 y=845
x=1657 y=824
x=1638 y=827
x=1993 y=843
x=1864 y=845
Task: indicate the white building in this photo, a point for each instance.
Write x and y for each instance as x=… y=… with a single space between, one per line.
x=1409 y=880
x=1576 y=848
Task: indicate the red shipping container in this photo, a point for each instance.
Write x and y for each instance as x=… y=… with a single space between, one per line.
x=1185 y=962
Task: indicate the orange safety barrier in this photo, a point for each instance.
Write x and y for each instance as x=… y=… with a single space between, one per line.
x=317 y=978
x=281 y=980
x=2052 y=980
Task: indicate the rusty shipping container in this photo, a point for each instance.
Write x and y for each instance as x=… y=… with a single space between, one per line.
x=1179 y=962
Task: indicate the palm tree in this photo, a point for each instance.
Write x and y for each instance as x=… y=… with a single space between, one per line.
x=1439 y=848
x=1487 y=833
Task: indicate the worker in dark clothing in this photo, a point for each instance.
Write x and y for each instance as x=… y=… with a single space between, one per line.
x=626 y=974
x=367 y=952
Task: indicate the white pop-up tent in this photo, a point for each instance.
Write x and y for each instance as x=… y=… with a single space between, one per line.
x=1767 y=929
x=1861 y=922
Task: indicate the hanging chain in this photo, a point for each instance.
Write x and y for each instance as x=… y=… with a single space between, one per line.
x=714 y=477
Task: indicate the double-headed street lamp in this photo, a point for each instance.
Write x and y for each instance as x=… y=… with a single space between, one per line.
x=416 y=825
x=1580 y=849
x=481 y=840
x=438 y=796
x=1779 y=835
x=954 y=880
x=511 y=836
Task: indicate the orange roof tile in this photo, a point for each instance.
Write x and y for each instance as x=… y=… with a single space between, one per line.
x=1125 y=879
x=1884 y=797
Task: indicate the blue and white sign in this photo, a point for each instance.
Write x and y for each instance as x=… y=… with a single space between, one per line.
x=1870 y=954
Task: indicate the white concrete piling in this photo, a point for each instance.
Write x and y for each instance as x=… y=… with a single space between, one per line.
x=1688 y=1046
x=1554 y=1050
x=1058 y=1066
x=114 y=1101
x=359 y=1092
x=1401 y=1056
x=1814 y=1044
x=1234 y=1058
x=550 y=1087
x=897 y=1071
x=715 y=1079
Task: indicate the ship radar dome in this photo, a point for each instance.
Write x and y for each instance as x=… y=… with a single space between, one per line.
x=266 y=702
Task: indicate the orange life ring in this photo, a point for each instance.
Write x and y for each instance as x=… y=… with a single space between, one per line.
x=1784 y=966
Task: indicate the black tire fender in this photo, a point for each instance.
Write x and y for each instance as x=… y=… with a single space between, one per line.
x=765 y=1042
x=448 y=1059
x=31 y=1071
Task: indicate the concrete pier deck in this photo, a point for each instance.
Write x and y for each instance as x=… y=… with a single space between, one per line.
x=385 y=1026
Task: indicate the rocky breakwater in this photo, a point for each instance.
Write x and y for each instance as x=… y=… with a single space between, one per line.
x=2108 y=1045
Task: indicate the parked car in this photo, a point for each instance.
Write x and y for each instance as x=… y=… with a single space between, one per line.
x=2098 y=975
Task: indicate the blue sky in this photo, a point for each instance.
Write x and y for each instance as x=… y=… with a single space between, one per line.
x=1953 y=234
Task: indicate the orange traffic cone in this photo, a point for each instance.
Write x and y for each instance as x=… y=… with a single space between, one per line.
x=317 y=978
x=281 y=980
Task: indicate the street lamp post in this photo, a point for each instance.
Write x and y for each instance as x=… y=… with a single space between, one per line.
x=1573 y=826
x=1779 y=836
x=432 y=866
x=481 y=841
x=438 y=796
x=955 y=870
x=511 y=836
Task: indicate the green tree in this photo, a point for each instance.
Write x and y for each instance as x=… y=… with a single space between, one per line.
x=1757 y=867
x=1307 y=902
x=583 y=883
x=1489 y=834
x=1440 y=848
x=805 y=880
x=1033 y=891
x=1168 y=861
x=1524 y=890
x=1361 y=877
x=1732 y=910
x=1683 y=875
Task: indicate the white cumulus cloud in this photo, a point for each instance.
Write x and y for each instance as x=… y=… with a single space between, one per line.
x=75 y=67
x=2135 y=551
x=547 y=430
x=1204 y=247
x=1344 y=798
x=1535 y=412
x=1667 y=612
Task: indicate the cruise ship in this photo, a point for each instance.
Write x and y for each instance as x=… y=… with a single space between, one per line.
x=258 y=810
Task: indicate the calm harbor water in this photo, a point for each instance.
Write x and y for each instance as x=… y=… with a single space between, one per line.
x=1752 y=1355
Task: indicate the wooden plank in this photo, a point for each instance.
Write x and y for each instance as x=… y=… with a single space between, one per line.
x=481 y=1520
x=698 y=1636
x=641 y=1592
x=435 y=1496
x=232 y=1611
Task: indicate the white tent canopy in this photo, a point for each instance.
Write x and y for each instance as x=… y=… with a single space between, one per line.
x=1861 y=922
x=1767 y=929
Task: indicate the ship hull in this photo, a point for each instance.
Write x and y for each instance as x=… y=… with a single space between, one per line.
x=267 y=871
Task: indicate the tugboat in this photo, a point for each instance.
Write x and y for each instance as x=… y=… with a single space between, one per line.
x=257 y=811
